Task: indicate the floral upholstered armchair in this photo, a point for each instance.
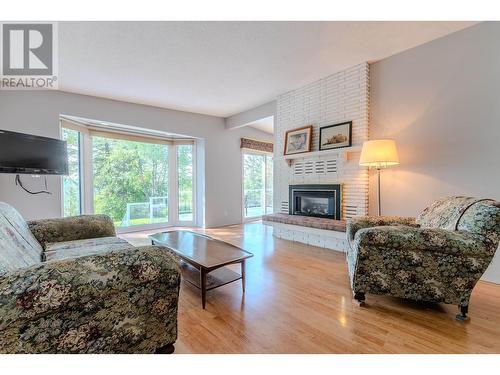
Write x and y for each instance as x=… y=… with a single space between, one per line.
x=437 y=257
x=71 y=286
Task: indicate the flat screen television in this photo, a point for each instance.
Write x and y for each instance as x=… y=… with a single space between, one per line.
x=30 y=154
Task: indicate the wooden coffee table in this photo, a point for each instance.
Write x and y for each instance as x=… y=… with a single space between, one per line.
x=204 y=259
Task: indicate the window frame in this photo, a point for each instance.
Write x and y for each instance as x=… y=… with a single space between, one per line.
x=176 y=181
x=80 y=172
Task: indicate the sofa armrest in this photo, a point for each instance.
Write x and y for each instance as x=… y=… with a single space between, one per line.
x=72 y=228
x=359 y=222
x=71 y=284
x=425 y=239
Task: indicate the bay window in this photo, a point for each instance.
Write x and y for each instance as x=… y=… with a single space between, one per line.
x=141 y=182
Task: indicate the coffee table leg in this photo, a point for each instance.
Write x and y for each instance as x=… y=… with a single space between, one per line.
x=243 y=275
x=203 y=284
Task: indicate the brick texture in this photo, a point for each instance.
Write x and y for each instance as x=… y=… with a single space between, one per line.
x=341 y=97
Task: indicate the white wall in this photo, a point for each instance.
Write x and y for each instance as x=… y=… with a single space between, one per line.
x=441 y=103
x=38 y=113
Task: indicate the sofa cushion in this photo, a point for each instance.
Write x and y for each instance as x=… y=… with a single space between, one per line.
x=78 y=248
x=445 y=212
x=18 y=246
x=483 y=217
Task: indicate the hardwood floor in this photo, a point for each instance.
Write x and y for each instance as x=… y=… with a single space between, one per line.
x=298 y=300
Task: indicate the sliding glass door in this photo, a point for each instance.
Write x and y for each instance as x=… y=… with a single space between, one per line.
x=140 y=183
x=257 y=184
x=269 y=184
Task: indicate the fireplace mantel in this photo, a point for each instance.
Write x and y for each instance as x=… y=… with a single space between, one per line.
x=342 y=152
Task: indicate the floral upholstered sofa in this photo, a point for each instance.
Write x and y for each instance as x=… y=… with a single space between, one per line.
x=71 y=286
x=437 y=257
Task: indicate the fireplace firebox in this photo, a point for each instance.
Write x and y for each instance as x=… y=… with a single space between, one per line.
x=319 y=200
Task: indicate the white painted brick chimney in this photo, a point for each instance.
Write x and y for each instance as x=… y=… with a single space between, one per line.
x=343 y=96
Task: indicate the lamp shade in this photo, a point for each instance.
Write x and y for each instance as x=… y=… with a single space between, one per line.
x=379 y=153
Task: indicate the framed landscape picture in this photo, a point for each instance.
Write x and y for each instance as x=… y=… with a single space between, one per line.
x=335 y=136
x=298 y=140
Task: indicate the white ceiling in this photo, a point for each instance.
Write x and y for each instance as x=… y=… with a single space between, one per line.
x=222 y=68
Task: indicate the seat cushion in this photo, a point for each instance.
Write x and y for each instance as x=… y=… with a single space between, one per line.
x=18 y=246
x=78 y=248
x=445 y=212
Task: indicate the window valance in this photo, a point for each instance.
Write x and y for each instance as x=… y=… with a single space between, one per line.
x=253 y=144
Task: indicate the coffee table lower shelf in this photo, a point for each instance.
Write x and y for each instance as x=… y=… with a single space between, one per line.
x=216 y=278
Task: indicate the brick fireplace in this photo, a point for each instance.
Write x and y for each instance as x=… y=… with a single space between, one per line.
x=340 y=97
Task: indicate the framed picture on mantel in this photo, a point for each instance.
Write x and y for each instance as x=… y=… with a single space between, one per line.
x=298 y=140
x=335 y=136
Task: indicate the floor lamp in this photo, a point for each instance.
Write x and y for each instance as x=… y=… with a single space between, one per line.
x=379 y=154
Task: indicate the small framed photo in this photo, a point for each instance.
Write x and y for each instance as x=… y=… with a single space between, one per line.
x=298 y=140
x=335 y=136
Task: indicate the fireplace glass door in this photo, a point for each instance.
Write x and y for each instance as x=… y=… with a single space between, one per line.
x=315 y=200
x=313 y=203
